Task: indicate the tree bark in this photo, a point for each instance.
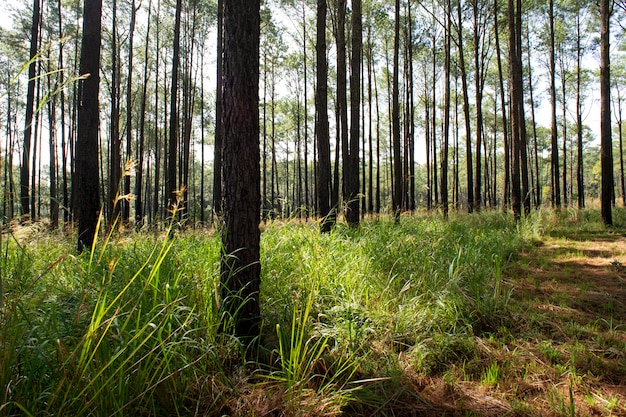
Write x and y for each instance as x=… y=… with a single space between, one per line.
x=129 y=115
x=171 y=186
x=466 y=112
x=446 y=110
x=112 y=208
x=352 y=170
x=28 y=122
x=554 y=160
x=395 y=115
x=505 y=126
x=87 y=182
x=139 y=202
x=323 y=179
x=240 y=266
x=606 y=154
x=219 y=129
x=516 y=92
x=579 y=117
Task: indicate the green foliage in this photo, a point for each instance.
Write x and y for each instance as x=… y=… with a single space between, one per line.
x=113 y=332
x=132 y=327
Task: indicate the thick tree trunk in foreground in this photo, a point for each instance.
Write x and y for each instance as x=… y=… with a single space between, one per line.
x=87 y=182
x=240 y=267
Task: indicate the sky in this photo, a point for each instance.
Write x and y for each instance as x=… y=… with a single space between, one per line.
x=5 y=20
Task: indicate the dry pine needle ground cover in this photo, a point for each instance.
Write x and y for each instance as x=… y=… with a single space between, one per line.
x=566 y=354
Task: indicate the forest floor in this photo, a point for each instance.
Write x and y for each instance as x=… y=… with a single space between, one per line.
x=563 y=351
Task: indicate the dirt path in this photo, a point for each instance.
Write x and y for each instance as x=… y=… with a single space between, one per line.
x=563 y=352
x=572 y=288
x=584 y=277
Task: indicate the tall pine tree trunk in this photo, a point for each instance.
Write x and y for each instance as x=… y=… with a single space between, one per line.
x=505 y=126
x=219 y=130
x=351 y=171
x=395 y=115
x=139 y=202
x=446 y=110
x=516 y=120
x=25 y=191
x=113 y=209
x=240 y=267
x=606 y=153
x=87 y=182
x=323 y=178
x=129 y=114
x=171 y=186
x=579 y=117
x=466 y=113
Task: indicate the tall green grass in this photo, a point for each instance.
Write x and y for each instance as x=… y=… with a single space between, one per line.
x=423 y=286
x=132 y=328
x=116 y=331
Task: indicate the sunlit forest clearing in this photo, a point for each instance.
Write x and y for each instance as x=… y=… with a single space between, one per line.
x=476 y=315
x=299 y=208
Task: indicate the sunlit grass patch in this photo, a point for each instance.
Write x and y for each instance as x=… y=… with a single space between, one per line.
x=354 y=321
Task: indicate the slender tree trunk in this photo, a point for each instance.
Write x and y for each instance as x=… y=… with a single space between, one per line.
x=446 y=110
x=34 y=189
x=579 y=118
x=170 y=179
x=64 y=167
x=113 y=209
x=516 y=92
x=370 y=65
x=564 y=107
x=427 y=136
x=54 y=201
x=264 y=196
x=554 y=167
x=621 y=147
x=457 y=182
x=219 y=129
x=28 y=121
x=306 y=113
x=606 y=154
x=157 y=142
x=411 y=112
x=522 y=113
x=129 y=114
x=505 y=126
x=342 y=101
x=202 y=139
x=378 y=167
x=188 y=111
x=395 y=115
x=139 y=209
x=8 y=201
x=534 y=123
x=351 y=171
x=434 y=117
x=466 y=112
x=479 y=104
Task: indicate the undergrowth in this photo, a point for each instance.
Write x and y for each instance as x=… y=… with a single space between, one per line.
x=132 y=328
